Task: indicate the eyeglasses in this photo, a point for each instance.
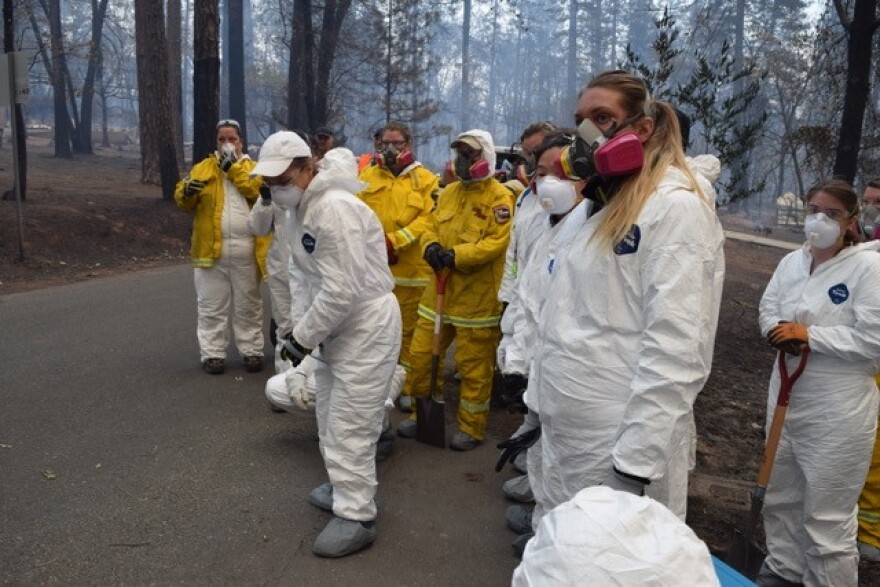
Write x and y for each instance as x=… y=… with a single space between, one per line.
x=228 y=122
x=395 y=144
x=835 y=214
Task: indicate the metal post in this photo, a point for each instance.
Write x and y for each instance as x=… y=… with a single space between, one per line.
x=10 y=59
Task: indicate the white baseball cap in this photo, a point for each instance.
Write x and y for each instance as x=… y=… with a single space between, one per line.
x=278 y=151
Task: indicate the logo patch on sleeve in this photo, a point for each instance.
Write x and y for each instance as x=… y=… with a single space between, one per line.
x=308 y=243
x=838 y=293
x=502 y=214
x=630 y=242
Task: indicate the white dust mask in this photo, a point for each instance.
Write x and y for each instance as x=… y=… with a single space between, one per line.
x=556 y=196
x=821 y=231
x=225 y=149
x=287 y=196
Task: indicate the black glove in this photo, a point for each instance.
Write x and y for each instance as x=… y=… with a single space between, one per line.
x=266 y=194
x=624 y=482
x=293 y=351
x=513 y=446
x=512 y=388
x=449 y=258
x=226 y=160
x=389 y=250
x=434 y=256
x=192 y=187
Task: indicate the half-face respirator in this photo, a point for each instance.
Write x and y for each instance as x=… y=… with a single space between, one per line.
x=609 y=154
x=392 y=158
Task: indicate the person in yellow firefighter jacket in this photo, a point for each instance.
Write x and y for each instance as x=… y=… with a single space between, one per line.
x=467 y=236
x=401 y=192
x=869 y=506
x=229 y=262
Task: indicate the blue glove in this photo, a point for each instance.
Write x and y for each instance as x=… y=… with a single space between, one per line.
x=434 y=256
x=624 y=482
x=293 y=351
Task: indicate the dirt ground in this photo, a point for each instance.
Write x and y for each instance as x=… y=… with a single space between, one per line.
x=91 y=216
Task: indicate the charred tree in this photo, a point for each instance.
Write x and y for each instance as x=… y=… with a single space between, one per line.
x=62 y=116
x=860 y=32
x=235 y=40
x=175 y=70
x=158 y=158
x=206 y=77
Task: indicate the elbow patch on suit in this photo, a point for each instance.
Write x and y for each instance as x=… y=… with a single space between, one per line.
x=630 y=242
x=308 y=243
x=502 y=214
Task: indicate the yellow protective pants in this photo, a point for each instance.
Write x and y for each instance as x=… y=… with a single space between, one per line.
x=869 y=502
x=475 y=361
x=408 y=298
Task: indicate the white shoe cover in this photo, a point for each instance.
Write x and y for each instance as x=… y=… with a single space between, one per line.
x=518 y=489
x=341 y=537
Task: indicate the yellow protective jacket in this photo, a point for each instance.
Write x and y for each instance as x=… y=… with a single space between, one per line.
x=207 y=240
x=473 y=219
x=402 y=203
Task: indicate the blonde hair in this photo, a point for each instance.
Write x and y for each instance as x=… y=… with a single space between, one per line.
x=662 y=150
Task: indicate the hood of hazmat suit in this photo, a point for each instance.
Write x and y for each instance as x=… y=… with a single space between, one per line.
x=607 y=537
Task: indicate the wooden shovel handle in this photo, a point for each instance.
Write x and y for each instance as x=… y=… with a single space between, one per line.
x=786 y=383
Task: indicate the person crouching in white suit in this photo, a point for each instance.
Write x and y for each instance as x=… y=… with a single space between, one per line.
x=345 y=316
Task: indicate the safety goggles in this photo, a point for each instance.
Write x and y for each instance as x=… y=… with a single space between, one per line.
x=228 y=122
x=835 y=214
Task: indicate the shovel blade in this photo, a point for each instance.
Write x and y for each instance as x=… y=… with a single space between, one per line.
x=431 y=421
x=744 y=556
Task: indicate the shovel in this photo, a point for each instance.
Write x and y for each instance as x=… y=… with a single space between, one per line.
x=743 y=555
x=431 y=410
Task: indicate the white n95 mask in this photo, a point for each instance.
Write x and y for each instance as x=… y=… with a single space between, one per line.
x=821 y=231
x=287 y=196
x=556 y=196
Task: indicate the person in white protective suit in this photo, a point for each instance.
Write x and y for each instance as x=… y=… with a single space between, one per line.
x=626 y=333
x=613 y=538
x=528 y=223
x=826 y=296
x=294 y=390
x=562 y=214
x=269 y=218
x=343 y=311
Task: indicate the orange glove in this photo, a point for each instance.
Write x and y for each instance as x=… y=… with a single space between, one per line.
x=786 y=335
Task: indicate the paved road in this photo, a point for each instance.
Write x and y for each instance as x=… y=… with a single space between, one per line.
x=121 y=462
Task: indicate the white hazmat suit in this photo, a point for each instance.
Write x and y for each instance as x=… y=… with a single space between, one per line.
x=533 y=286
x=823 y=457
x=342 y=302
x=271 y=218
x=625 y=344
x=529 y=222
